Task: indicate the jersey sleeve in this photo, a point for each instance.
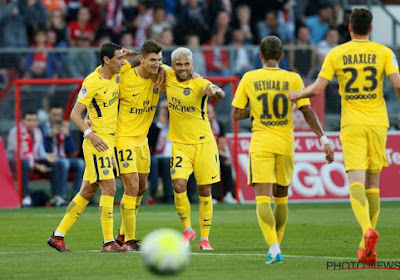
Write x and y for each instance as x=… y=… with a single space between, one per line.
x=86 y=93
x=327 y=69
x=299 y=85
x=241 y=99
x=391 y=64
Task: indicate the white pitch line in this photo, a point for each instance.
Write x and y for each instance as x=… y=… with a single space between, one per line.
x=211 y=254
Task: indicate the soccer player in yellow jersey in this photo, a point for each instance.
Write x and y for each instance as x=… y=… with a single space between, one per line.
x=271 y=153
x=138 y=102
x=99 y=95
x=359 y=66
x=194 y=148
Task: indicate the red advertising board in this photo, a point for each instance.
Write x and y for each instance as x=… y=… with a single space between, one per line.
x=314 y=179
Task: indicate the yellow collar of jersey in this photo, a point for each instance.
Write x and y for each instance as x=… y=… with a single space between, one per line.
x=360 y=40
x=271 y=68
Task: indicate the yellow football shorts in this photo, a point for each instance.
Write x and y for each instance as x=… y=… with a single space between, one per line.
x=132 y=156
x=99 y=165
x=270 y=168
x=364 y=147
x=202 y=159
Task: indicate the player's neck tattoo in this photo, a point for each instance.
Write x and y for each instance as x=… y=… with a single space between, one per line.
x=271 y=64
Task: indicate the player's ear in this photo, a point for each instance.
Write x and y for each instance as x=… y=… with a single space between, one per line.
x=281 y=56
x=370 y=29
x=261 y=56
x=350 y=28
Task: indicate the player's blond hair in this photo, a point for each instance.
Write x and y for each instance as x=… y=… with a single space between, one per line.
x=181 y=52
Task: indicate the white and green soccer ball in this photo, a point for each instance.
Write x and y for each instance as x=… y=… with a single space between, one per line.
x=164 y=251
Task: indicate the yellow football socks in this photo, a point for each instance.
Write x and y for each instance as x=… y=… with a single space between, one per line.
x=74 y=211
x=205 y=215
x=138 y=202
x=359 y=203
x=266 y=219
x=281 y=215
x=182 y=206
x=374 y=208
x=128 y=206
x=106 y=217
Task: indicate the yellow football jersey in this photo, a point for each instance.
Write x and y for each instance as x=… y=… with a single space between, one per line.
x=101 y=99
x=138 y=103
x=187 y=108
x=359 y=66
x=266 y=90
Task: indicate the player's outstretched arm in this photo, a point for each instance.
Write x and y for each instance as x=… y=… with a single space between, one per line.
x=312 y=120
x=312 y=90
x=240 y=114
x=132 y=56
x=395 y=80
x=214 y=91
x=76 y=117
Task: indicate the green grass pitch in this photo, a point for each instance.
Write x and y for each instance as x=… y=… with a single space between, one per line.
x=315 y=234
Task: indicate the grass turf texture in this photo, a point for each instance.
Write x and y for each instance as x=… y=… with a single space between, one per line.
x=320 y=232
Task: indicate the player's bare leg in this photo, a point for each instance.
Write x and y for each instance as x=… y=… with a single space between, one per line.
x=182 y=206
x=266 y=220
x=142 y=189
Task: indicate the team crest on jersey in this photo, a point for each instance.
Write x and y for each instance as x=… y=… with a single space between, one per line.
x=186 y=91
x=173 y=171
x=117 y=79
x=106 y=172
x=125 y=164
x=83 y=92
x=155 y=90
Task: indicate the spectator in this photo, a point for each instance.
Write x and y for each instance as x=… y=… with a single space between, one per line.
x=243 y=22
x=81 y=26
x=242 y=58
x=58 y=142
x=41 y=63
x=161 y=150
x=225 y=162
x=113 y=17
x=319 y=24
x=216 y=6
x=221 y=25
x=272 y=26
x=193 y=42
x=54 y=5
x=34 y=158
x=323 y=47
x=12 y=28
x=81 y=62
x=127 y=40
x=142 y=22
x=73 y=7
x=344 y=28
x=167 y=39
x=159 y=24
x=217 y=59
x=193 y=19
x=34 y=15
x=302 y=59
x=58 y=24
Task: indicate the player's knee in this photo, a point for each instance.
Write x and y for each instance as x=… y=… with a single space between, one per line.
x=180 y=186
x=280 y=191
x=107 y=187
x=205 y=190
x=142 y=189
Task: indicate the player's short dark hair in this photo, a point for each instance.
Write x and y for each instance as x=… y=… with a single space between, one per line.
x=108 y=50
x=360 y=20
x=271 y=47
x=29 y=111
x=150 y=46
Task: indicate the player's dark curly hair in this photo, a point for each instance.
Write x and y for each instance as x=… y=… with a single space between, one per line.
x=108 y=50
x=150 y=46
x=360 y=20
x=271 y=47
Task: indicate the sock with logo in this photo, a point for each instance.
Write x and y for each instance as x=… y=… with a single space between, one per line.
x=281 y=215
x=205 y=215
x=266 y=219
x=182 y=206
x=106 y=206
x=74 y=211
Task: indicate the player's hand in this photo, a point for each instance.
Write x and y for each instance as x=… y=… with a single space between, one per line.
x=97 y=142
x=293 y=95
x=52 y=158
x=161 y=76
x=208 y=91
x=129 y=53
x=328 y=153
x=88 y=122
x=196 y=75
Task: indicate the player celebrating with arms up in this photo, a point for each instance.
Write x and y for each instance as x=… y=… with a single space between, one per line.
x=360 y=66
x=194 y=148
x=271 y=153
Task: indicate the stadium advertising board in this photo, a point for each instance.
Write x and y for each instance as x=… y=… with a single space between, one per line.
x=314 y=179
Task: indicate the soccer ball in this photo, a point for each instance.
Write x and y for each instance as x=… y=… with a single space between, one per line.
x=164 y=251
